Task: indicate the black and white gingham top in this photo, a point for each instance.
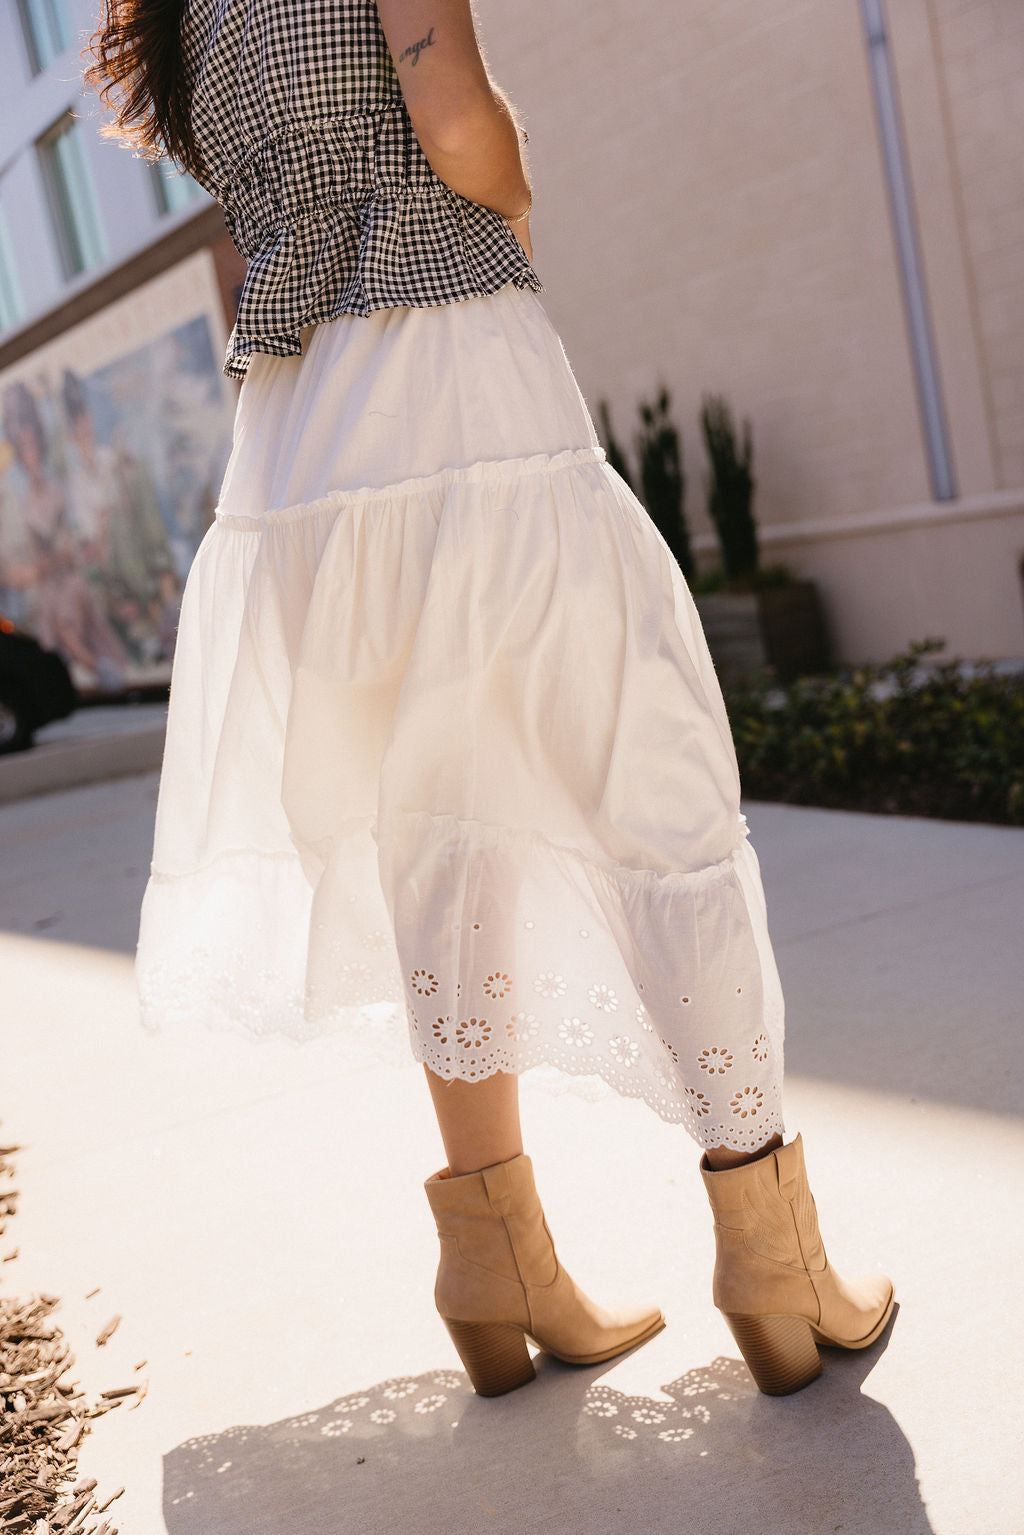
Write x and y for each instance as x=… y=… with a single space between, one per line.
x=308 y=146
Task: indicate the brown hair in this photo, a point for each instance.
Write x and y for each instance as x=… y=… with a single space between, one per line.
x=139 y=72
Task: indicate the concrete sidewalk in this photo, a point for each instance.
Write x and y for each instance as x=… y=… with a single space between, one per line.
x=256 y=1217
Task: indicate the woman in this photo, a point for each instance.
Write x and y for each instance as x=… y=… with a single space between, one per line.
x=444 y=729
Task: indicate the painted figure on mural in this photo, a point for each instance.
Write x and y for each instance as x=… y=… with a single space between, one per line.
x=121 y=534
x=68 y=615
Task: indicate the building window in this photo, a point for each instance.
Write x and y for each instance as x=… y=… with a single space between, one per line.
x=72 y=199
x=12 y=305
x=174 y=189
x=46 y=30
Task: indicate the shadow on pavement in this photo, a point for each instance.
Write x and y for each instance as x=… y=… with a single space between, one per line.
x=567 y=1454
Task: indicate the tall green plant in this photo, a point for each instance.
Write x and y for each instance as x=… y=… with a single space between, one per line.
x=659 y=452
x=730 y=487
x=613 y=452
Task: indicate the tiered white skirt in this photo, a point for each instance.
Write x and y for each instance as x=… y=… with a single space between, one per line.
x=445 y=739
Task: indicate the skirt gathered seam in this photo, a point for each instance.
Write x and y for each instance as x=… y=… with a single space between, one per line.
x=481 y=472
x=611 y=871
x=489 y=832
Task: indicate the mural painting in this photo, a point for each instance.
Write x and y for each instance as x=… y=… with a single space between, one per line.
x=108 y=479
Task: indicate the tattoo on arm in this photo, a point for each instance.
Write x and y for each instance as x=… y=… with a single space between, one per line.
x=415 y=49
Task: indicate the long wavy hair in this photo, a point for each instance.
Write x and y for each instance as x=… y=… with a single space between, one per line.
x=139 y=71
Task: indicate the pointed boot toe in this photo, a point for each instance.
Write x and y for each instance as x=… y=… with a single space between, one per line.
x=858 y=1313
x=570 y=1326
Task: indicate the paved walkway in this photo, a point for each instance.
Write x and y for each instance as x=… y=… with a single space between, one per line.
x=255 y=1215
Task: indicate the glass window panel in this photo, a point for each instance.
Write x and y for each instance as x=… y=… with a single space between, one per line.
x=12 y=305
x=174 y=189
x=73 y=201
x=47 y=31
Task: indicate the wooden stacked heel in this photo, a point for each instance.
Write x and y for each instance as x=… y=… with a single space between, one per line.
x=779 y=1351
x=773 y=1282
x=495 y=1356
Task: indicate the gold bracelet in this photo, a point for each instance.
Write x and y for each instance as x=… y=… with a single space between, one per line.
x=520 y=216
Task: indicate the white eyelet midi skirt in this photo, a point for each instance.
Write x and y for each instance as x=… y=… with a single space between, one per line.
x=446 y=751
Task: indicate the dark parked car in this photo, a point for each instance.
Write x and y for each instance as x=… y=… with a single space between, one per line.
x=35 y=688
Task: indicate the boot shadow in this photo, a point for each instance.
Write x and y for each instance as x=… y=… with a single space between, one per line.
x=568 y=1453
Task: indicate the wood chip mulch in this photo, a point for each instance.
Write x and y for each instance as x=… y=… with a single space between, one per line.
x=44 y=1415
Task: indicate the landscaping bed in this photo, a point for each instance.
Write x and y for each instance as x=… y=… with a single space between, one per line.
x=908 y=737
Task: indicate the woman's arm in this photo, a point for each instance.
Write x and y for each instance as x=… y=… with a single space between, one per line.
x=463 y=122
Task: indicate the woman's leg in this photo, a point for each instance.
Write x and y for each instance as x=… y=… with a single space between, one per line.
x=479 y=1121
x=721 y=1158
x=499 y=1279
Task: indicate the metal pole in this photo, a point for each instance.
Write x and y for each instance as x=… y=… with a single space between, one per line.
x=922 y=345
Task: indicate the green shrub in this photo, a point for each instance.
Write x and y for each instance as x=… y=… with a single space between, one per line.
x=659 y=452
x=764 y=579
x=730 y=487
x=662 y=482
x=903 y=738
x=613 y=451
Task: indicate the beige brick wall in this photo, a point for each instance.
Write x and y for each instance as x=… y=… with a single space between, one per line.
x=711 y=211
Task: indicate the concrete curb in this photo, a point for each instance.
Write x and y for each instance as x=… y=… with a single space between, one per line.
x=89 y=748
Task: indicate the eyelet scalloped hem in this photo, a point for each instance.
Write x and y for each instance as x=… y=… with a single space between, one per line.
x=507 y=993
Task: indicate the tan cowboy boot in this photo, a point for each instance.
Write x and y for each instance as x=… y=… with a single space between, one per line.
x=499 y=1282
x=773 y=1282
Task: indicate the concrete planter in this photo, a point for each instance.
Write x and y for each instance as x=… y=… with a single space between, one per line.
x=782 y=627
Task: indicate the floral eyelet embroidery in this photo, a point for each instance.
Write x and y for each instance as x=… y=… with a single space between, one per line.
x=550 y=985
x=473 y=1033
x=625 y=1050
x=498 y=984
x=522 y=1026
x=716 y=1061
x=425 y=982
x=575 y=1032
x=747 y=1103
x=697 y=1103
x=603 y=997
x=441 y=1028
x=759 y=1049
x=356 y=974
